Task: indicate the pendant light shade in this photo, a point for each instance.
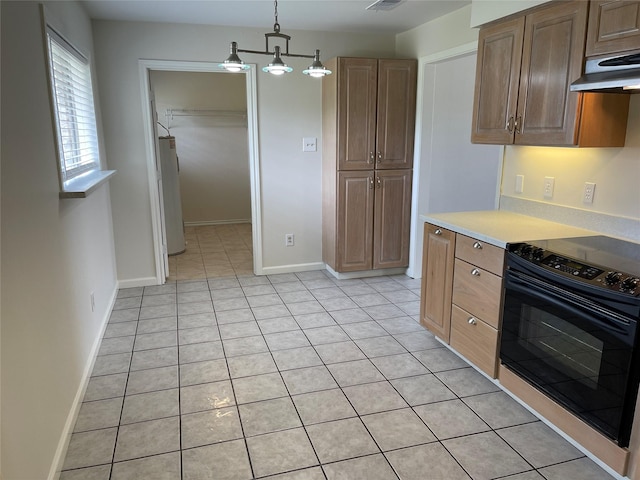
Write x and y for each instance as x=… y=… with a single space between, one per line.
x=316 y=69
x=277 y=66
x=233 y=62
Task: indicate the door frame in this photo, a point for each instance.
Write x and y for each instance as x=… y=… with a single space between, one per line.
x=419 y=169
x=145 y=67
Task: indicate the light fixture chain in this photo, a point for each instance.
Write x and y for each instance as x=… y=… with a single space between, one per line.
x=276 y=25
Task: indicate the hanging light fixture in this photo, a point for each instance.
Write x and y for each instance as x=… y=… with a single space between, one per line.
x=277 y=66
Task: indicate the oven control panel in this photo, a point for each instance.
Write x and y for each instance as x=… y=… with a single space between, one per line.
x=571 y=267
x=592 y=274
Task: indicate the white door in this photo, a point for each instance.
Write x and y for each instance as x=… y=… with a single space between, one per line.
x=462 y=176
x=452 y=174
x=158 y=165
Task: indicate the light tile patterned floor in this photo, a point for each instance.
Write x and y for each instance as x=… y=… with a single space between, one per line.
x=299 y=377
x=214 y=251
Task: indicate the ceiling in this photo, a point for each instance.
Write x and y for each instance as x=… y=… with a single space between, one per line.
x=322 y=15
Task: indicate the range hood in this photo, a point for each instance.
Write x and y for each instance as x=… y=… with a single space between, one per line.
x=619 y=74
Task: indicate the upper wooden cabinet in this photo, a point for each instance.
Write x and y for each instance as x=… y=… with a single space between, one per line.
x=375 y=105
x=614 y=27
x=497 y=79
x=524 y=69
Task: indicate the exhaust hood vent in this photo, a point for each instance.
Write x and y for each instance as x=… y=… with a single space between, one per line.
x=619 y=74
x=384 y=5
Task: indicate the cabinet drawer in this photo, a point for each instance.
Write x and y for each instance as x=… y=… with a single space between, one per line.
x=474 y=339
x=477 y=291
x=480 y=254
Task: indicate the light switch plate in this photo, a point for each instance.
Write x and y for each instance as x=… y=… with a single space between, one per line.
x=309 y=144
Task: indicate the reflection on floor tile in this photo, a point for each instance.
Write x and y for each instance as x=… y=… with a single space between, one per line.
x=298 y=376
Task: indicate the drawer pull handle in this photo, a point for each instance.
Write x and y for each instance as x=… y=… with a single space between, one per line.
x=438 y=232
x=475 y=272
x=477 y=246
x=472 y=321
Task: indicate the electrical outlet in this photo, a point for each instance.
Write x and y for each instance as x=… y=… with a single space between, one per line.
x=93 y=302
x=288 y=240
x=309 y=144
x=548 y=187
x=519 y=183
x=589 y=191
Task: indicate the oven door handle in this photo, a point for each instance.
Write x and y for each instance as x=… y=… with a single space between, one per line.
x=614 y=323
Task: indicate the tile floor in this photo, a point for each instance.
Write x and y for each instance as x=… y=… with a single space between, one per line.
x=214 y=251
x=300 y=377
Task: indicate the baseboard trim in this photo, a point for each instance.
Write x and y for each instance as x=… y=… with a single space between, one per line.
x=366 y=273
x=137 y=282
x=65 y=438
x=217 y=222
x=300 y=267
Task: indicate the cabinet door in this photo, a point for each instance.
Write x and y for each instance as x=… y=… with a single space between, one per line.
x=357 y=87
x=392 y=217
x=497 y=79
x=614 y=27
x=355 y=221
x=437 y=280
x=552 y=58
x=474 y=339
x=396 y=113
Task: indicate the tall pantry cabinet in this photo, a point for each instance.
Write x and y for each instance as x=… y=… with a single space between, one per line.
x=368 y=115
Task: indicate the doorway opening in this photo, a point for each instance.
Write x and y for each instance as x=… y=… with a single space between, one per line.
x=212 y=232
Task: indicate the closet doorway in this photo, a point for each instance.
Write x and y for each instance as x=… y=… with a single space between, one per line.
x=211 y=115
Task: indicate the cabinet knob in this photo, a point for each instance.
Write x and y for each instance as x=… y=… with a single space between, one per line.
x=438 y=232
x=518 y=124
x=472 y=321
x=371 y=157
x=477 y=245
x=475 y=272
x=371 y=183
x=379 y=157
x=378 y=182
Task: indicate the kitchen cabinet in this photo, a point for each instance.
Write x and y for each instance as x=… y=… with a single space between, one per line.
x=368 y=133
x=461 y=299
x=477 y=302
x=525 y=66
x=373 y=220
x=437 y=280
x=614 y=27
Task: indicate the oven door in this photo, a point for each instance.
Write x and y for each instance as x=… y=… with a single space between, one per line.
x=573 y=350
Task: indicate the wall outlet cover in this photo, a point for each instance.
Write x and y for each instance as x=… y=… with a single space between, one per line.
x=309 y=144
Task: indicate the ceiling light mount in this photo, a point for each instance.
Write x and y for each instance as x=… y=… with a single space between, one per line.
x=277 y=67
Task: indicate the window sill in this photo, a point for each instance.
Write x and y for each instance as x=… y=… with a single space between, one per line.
x=82 y=186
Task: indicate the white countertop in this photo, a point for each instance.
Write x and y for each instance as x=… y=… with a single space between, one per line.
x=499 y=227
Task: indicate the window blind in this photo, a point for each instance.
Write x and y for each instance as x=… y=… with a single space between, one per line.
x=72 y=98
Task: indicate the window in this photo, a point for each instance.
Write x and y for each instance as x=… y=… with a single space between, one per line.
x=73 y=110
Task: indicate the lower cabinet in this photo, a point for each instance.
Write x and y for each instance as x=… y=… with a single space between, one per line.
x=461 y=299
x=475 y=339
x=437 y=280
x=372 y=222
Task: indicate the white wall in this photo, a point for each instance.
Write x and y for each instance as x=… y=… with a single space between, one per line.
x=289 y=108
x=54 y=253
x=484 y=11
x=450 y=174
x=444 y=33
x=616 y=172
x=212 y=148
